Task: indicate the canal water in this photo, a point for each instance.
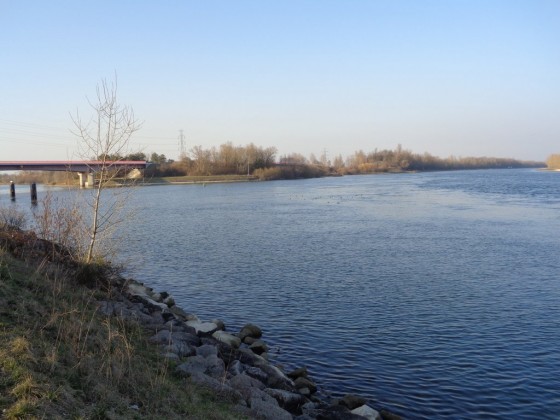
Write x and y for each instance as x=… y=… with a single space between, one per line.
x=432 y=294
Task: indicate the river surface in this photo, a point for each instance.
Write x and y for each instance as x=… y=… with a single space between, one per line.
x=435 y=295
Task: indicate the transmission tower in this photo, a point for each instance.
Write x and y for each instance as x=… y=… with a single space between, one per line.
x=182 y=151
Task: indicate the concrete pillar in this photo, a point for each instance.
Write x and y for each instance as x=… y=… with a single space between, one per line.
x=89 y=182
x=12 y=190
x=81 y=179
x=33 y=193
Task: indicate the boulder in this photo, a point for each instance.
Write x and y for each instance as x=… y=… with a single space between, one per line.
x=235 y=368
x=212 y=366
x=387 y=415
x=257 y=373
x=250 y=330
x=302 y=382
x=337 y=412
x=229 y=339
x=220 y=324
x=219 y=388
x=276 y=378
x=297 y=373
x=185 y=337
x=144 y=295
x=161 y=337
x=181 y=349
x=352 y=401
x=206 y=350
x=192 y=365
x=258 y=347
x=169 y=301
x=266 y=407
x=289 y=401
x=203 y=328
x=244 y=384
x=367 y=412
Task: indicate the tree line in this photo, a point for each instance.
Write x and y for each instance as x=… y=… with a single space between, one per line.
x=263 y=163
x=229 y=159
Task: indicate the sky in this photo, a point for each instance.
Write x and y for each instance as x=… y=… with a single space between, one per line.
x=447 y=77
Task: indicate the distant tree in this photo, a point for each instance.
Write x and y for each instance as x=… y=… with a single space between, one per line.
x=135 y=156
x=158 y=159
x=553 y=161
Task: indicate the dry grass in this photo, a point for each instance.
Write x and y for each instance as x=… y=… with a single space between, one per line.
x=61 y=358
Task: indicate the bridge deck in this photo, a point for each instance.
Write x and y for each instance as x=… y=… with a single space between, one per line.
x=69 y=165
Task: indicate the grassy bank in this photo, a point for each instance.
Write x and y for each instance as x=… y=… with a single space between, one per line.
x=198 y=179
x=61 y=358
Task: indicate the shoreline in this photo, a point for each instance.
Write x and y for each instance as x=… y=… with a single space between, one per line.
x=230 y=364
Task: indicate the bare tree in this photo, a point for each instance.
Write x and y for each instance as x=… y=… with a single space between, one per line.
x=105 y=137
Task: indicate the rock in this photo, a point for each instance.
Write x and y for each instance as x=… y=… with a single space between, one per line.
x=185 y=337
x=302 y=382
x=367 y=412
x=352 y=401
x=221 y=389
x=257 y=373
x=287 y=400
x=207 y=350
x=258 y=347
x=219 y=323
x=161 y=337
x=192 y=365
x=297 y=373
x=249 y=340
x=169 y=301
x=179 y=313
x=247 y=357
x=212 y=366
x=235 y=368
x=306 y=392
x=276 y=378
x=266 y=407
x=144 y=295
x=215 y=367
x=227 y=338
x=250 y=330
x=168 y=338
x=337 y=412
x=157 y=318
x=203 y=328
x=180 y=348
x=387 y=415
x=244 y=384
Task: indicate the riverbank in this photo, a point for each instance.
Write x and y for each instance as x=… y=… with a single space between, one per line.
x=82 y=341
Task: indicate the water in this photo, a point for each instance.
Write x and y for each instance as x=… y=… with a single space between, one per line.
x=432 y=294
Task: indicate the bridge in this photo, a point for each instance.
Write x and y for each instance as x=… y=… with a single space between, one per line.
x=87 y=168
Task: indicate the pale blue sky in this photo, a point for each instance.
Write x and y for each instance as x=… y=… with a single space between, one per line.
x=449 y=77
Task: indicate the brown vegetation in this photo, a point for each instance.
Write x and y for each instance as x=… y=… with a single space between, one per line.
x=553 y=162
x=61 y=358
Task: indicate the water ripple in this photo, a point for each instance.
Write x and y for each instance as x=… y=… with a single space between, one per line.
x=434 y=295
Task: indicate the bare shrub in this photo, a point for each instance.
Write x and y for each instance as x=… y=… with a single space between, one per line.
x=61 y=224
x=12 y=219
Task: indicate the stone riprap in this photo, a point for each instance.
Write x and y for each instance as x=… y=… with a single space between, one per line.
x=233 y=365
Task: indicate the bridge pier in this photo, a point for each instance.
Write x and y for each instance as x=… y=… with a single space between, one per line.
x=33 y=191
x=86 y=179
x=12 y=191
